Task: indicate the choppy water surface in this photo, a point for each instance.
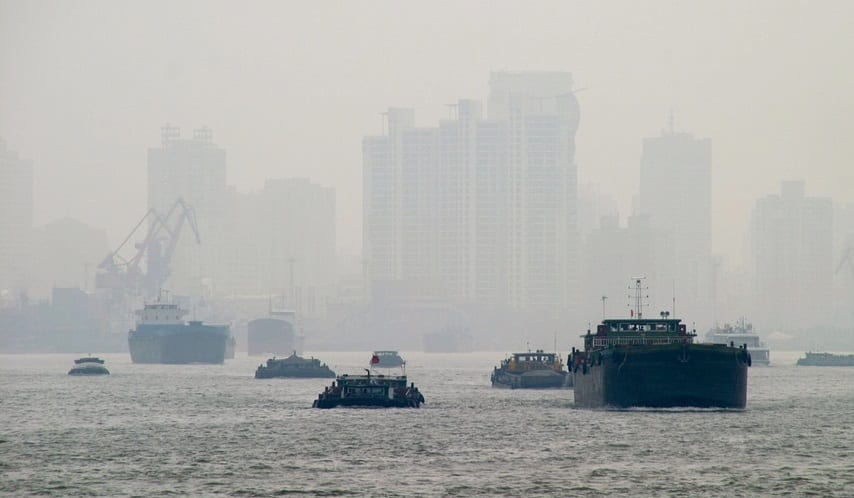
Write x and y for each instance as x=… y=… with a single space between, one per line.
x=158 y=430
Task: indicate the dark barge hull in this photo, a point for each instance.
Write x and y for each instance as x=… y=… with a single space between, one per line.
x=269 y=373
x=528 y=381
x=366 y=403
x=663 y=376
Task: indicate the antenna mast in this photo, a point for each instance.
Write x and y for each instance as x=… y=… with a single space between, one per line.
x=639 y=297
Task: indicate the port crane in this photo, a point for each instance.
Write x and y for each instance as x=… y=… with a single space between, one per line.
x=120 y=274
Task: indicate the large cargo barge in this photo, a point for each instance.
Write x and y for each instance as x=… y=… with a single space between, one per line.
x=639 y=362
x=161 y=336
x=272 y=335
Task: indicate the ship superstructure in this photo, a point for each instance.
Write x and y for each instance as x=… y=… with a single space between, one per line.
x=741 y=334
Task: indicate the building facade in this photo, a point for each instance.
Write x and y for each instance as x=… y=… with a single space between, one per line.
x=792 y=246
x=193 y=170
x=676 y=195
x=16 y=220
x=482 y=207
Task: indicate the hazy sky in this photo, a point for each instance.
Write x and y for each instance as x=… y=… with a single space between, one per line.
x=290 y=89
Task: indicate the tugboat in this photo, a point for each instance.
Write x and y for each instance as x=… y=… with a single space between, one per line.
x=531 y=370
x=742 y=333
x=294 y=366
x=387 y=359
x=826 y=360
x=639 y=362
x=89 y=365
x=385 y=391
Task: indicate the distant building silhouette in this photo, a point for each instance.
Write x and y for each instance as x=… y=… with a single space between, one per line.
x=676 y=195
x=16 y=220
x=480 y=209
x=195 y=170
x=612 y=252
x=281 y=241
x=68 y=251
x=792 y=245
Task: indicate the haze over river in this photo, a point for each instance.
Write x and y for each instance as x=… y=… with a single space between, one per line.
x=159 y=430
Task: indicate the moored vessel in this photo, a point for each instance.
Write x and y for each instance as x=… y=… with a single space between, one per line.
x=534 y=369
x=387 y=359
x=272 y=335
x=826 y=360
x=640 y=362
x=89 y=365
x=294 y=366
x=740 y=334
x=382 y=391
x=161 y=336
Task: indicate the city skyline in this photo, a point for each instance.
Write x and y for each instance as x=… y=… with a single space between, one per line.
x=775 y=107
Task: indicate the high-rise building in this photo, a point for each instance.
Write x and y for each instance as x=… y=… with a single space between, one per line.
x=792 y=241
x=195 y=171
x=16 y=219
x=478 y=209
x=676 y=195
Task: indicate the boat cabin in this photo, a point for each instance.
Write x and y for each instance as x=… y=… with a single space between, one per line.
x=532 y=360
x=640 y=331
x=370 y=386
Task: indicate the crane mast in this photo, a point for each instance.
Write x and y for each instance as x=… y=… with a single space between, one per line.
x=156 y=249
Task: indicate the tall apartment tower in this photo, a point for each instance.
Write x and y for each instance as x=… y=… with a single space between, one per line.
x=194 y=170
x=541 y=116
x=16 y=219
x=792 y=245
x=480 y=208
x=676 y=195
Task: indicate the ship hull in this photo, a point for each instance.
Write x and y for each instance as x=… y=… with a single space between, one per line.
x=367 y=403
x=293 y=373
x=676 y=375
x=97 y=370
x=820 y=360
x=541 y=379
x=179 y=344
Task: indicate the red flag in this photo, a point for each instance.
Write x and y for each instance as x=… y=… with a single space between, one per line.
x=375 y=359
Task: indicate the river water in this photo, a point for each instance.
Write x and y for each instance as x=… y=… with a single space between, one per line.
x=204 y=430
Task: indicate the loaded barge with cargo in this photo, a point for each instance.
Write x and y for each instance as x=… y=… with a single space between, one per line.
x=531 y=370
x=641 y=362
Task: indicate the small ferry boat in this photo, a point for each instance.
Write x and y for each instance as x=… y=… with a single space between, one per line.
x=385 y=391
x=387 y=359
x=295 y=367
x=89 y=365
x=535 y=370
x=826 y=360
x=739 y=335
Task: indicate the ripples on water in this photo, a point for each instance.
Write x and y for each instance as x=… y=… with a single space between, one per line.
x=159 y=430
